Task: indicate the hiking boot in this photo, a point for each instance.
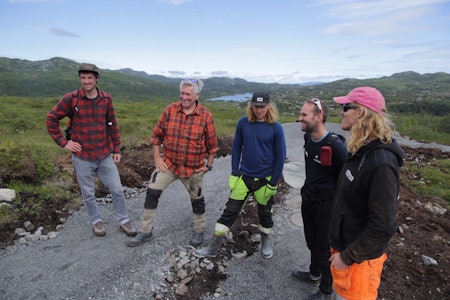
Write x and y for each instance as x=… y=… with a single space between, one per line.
x=128 y=229
x=98 y=229
x=266 y=249
x=319 y=295
x=307 y=277
x=139 y=239
x=197 y=239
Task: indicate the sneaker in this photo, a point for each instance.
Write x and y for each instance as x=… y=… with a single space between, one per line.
x=98 y=229
x=128 y=229
x=139 y=239
x=319 y=295
x=307 y=277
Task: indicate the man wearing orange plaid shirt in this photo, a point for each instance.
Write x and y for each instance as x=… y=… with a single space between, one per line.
x=187 y=134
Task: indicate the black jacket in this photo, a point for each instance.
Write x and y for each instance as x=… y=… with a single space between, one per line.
x=366 y=202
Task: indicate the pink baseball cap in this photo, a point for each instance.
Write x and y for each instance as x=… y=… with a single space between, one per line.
x=366 y=96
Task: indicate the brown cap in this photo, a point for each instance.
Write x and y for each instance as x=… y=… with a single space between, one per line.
x=88 y=68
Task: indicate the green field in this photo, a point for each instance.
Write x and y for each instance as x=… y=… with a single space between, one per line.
x=26 y=147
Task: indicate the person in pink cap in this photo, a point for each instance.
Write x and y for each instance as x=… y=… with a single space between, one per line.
x=366 y=199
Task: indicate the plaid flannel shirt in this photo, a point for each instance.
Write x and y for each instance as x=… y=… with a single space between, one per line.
x=94 y=124
x=185 y=139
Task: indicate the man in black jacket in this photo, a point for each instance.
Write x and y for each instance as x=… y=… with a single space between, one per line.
x=325 y=154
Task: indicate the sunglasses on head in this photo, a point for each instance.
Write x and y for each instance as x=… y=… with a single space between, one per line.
x=317 y=103
x=190 y=80
x=347 y=106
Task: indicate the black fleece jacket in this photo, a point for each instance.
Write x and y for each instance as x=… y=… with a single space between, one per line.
x=366 y=202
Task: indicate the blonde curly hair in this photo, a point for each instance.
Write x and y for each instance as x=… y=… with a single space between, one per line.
x=370 y=126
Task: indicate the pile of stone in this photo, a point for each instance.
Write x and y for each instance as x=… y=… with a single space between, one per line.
x=185 y=268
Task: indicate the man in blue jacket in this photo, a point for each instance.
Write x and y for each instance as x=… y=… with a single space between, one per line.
x=258 y=155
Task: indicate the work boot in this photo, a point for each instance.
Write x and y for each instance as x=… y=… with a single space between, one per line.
x=139 y=239
x=266 y=249
x=307 y=277
x=197 y=239
x=211 y=250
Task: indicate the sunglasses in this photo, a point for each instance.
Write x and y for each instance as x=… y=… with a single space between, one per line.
x=317 y=103
x=347 y=106
x=190 y=80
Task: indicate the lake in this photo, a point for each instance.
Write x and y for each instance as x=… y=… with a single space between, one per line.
x=237 y=97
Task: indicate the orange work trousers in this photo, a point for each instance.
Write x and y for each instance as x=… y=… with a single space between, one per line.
x=359 y=281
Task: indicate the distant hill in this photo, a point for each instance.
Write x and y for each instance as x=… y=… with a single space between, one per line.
x=56 y=76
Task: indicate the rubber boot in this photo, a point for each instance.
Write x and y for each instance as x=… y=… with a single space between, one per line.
x=197 y=239
x=266 y=249
x=211 y=250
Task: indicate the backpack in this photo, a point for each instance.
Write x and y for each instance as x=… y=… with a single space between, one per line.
x=68 y=130
x=330 y=140
x=327 y=147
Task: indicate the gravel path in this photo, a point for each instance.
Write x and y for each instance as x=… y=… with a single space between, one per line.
x=77 y=265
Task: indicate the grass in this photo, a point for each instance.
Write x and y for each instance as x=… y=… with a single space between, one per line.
x=28 y=155
x=424 y=127
x=25 y=139
x=430 y=179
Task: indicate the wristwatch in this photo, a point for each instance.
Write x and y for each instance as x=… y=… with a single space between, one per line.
x=209 y=167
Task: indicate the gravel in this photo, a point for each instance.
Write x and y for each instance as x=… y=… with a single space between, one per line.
x=78 y=265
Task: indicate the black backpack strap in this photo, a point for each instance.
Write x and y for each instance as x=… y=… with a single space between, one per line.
x=306 y=136
x=333 y=137
x=75 y=95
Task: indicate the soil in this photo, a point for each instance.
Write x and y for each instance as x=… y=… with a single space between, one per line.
x=405 y=275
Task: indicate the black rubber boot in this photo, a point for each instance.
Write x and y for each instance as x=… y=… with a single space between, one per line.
x=211 y=250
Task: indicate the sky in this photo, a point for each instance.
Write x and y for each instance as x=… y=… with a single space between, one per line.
x=284 y=41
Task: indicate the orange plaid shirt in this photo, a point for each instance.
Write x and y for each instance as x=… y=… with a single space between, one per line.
x=185 y=139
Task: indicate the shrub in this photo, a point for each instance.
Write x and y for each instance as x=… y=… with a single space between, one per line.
x=17 y=164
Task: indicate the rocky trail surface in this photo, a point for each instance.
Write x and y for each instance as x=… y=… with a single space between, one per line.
x=77 y=265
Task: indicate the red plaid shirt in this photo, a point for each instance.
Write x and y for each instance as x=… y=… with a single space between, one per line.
x=94 y=124
x=185 y=139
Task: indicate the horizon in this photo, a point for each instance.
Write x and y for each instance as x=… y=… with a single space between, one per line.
x=217 y=76
x=286 y=42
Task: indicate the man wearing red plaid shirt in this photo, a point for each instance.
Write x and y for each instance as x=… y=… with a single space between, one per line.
x=187 y=134
x=95 y=145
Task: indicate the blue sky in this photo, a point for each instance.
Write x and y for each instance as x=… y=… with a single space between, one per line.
x=285 y=41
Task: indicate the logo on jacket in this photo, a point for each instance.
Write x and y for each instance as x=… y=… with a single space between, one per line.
x=349 y=175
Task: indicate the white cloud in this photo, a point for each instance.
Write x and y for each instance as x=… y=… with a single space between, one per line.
x=62 y=32
x=377 y=17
